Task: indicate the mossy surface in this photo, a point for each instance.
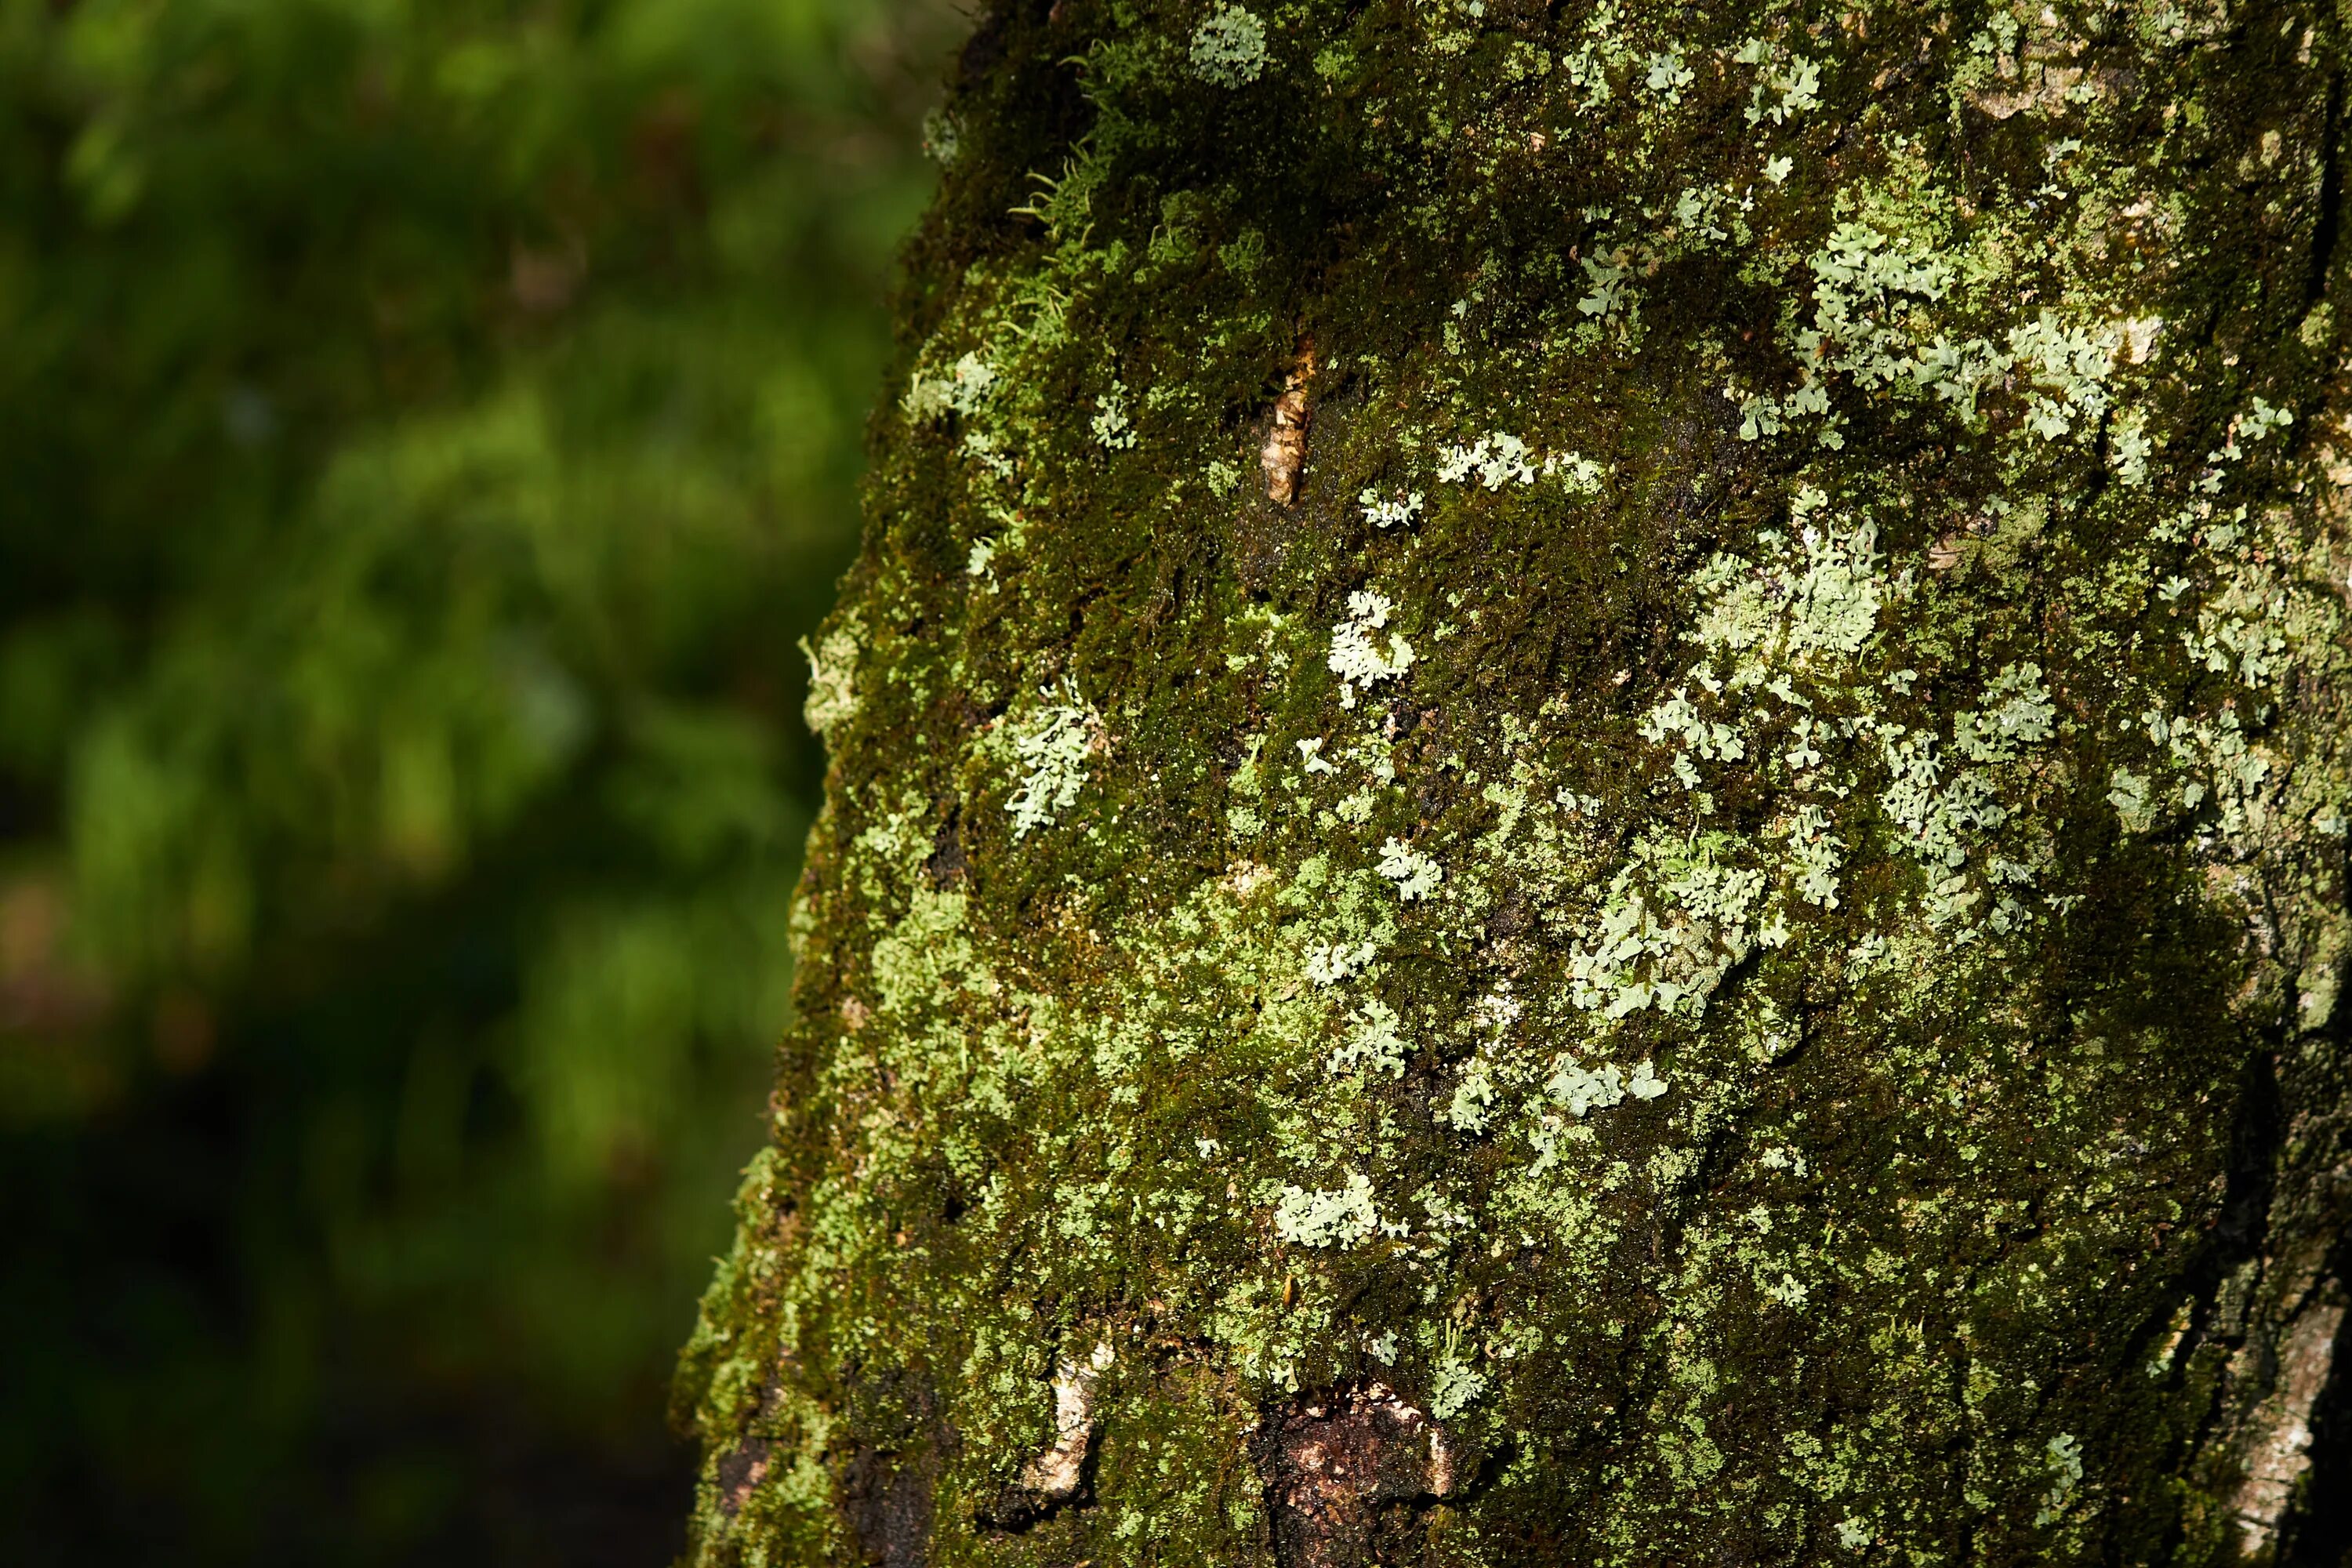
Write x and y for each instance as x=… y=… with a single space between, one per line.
x=1740 y=901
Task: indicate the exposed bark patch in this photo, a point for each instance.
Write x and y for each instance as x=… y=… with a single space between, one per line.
x=740 y=1470
x=948 y=865
x=1059 y=1472
x=1060 y=1475
x=2279 y=1458
x=2319 y=1529
x=888 y=1499
x=1284 y=453
x=2327 y=227
x=1348 y=1474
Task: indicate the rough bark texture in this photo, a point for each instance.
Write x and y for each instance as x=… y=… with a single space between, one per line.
x=1589 y=807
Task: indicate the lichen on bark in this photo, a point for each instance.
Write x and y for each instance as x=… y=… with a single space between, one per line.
x=1692 y=662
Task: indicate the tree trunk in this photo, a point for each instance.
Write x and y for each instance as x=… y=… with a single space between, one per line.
x=1589 y=798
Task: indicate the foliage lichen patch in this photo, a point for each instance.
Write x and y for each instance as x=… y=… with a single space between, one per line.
x=1051 y=749
x=1228 y=47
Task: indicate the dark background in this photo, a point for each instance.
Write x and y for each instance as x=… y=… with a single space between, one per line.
x=426 y=429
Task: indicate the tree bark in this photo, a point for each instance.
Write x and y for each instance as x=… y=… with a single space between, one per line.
x=1587 y=806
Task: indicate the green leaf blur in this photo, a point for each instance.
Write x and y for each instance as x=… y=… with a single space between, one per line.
x=426 y=429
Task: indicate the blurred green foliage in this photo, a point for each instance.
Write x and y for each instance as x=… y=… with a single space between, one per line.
x=426 y=429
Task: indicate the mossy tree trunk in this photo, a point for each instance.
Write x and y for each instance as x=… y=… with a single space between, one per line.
x=1588 y=800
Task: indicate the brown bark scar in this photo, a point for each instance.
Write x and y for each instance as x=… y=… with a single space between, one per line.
x=1286 y=444
x=1334 y=1463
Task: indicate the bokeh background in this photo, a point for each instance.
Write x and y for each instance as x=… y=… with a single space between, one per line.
x=426 y=427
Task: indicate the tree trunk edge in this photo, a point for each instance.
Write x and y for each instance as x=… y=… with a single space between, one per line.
x=1247 y=351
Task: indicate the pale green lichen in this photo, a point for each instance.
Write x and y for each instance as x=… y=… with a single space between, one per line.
x=833 y=679
x=1373 y=1043
x=1051 y=748
x=1112 y=430
x=1355 y=657
x=1455 y=1383
x=1385 y=512
x=962 y=388
x=1339 y=1217
x=1416 y=876
x=942 y=137
x=1494 y=460
x=1229 y=47
x=2067 y=1463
